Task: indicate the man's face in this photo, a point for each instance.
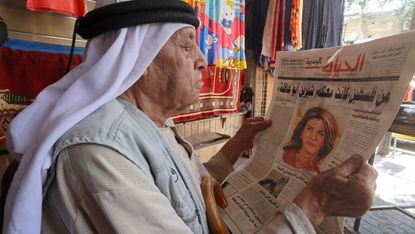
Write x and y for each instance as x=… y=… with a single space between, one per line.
x=177 y=70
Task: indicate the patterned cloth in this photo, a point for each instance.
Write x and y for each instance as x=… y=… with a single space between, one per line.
x=221 y=35
x=296 y=18
x=219 y=94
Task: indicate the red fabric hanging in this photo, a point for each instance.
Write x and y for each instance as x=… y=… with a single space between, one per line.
x=277 y=30
x=26 y=73
x=279 y=25
x=219 y=94
x=23 y=75
x=281 y=28
x=74 y=8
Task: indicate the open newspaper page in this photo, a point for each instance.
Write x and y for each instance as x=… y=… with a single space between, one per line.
x=327 y=105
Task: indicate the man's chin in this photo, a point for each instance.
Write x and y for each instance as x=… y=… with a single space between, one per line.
x=185 y=106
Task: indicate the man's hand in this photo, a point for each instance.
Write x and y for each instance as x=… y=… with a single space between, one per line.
x=246 y=134
x=346 y=190
x=244 y=138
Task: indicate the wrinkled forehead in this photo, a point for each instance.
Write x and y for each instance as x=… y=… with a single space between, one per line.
x=184 y=35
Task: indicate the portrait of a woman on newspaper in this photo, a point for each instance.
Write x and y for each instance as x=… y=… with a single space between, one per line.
x=312 y=140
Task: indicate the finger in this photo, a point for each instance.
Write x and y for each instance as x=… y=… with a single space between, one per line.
x=367 y=171
x=254 y=119
x=354 y=212
x=350 y=166
x=261 y=124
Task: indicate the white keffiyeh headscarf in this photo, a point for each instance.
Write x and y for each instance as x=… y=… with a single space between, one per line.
x=113 y=62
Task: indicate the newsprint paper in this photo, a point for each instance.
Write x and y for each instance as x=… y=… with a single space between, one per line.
x=356 y=89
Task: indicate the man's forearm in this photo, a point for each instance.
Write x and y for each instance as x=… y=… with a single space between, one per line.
x=232 y=150
x=219 y=167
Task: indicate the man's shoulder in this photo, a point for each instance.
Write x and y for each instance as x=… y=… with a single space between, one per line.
x=96 y=127
x=117 y=124
x=99 y=121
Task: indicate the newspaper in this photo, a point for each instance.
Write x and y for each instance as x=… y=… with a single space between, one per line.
x=356 y=89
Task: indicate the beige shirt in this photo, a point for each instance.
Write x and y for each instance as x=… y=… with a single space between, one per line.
x=97 y=190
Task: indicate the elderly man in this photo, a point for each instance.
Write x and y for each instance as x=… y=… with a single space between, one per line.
x=99 y=152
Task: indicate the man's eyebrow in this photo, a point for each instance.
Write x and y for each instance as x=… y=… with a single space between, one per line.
x=185 y=38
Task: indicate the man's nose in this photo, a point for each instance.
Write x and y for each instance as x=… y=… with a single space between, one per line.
x=200 y=62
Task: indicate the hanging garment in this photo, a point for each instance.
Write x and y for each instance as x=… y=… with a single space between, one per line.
x=287 y=25
x=325 y=24
x=74 y=8
x=256 y=27
x=221 y=35
x=270 y=28
x=26 y=69
x=279 y=36
x=306 y=19
x=296 y=20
